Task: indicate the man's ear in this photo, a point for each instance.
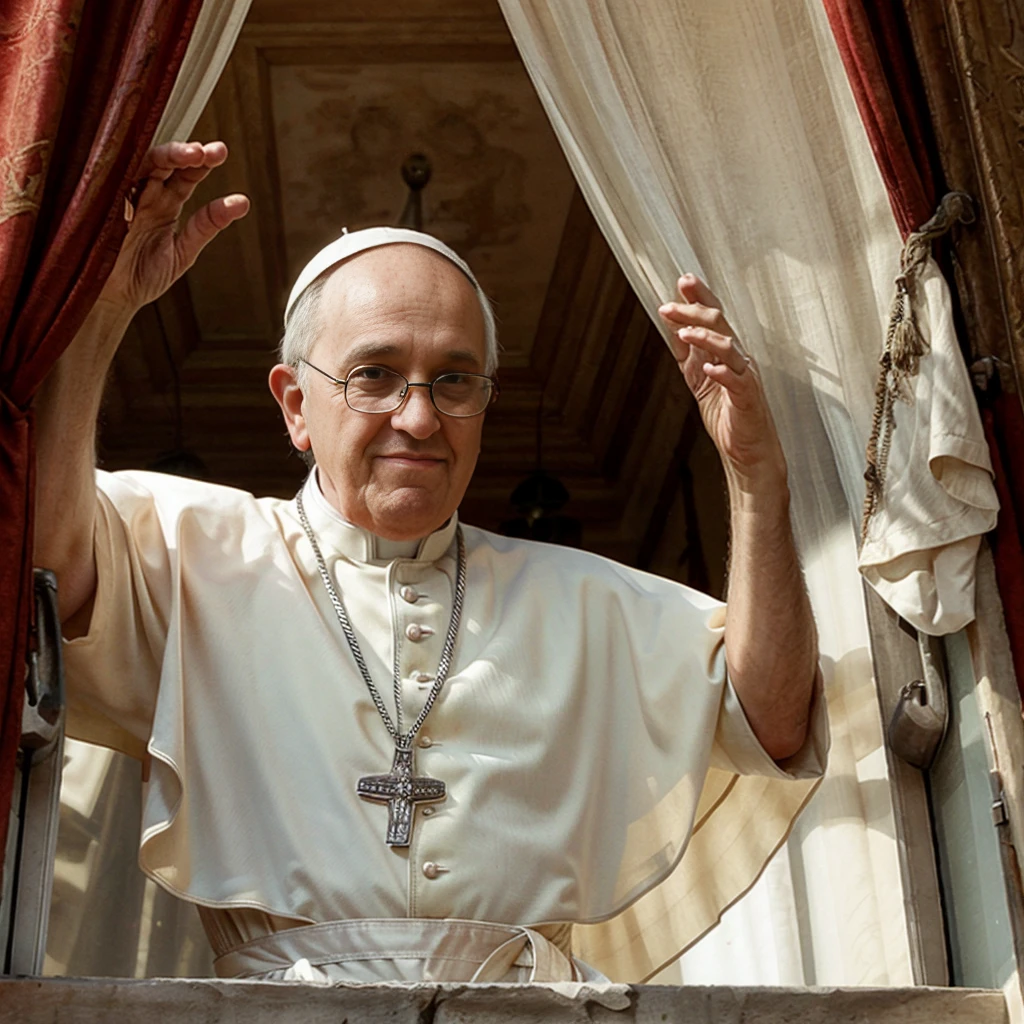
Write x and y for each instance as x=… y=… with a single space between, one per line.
x=284 y=386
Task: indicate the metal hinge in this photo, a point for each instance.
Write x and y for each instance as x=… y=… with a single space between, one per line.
x=918 y=723
x=1000 y=816
x=985 y=377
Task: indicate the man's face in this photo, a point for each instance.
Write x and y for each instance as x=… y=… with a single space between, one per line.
x=404 y=307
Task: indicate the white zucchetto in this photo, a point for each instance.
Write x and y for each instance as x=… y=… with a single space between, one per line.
x=352 y=242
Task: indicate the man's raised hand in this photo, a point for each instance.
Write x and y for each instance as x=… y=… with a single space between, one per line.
x=726 y=385
x=155 y=253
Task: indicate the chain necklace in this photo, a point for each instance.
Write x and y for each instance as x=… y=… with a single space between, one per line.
x=401 y=789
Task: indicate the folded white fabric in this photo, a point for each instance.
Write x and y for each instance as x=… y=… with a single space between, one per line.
x=938 y=498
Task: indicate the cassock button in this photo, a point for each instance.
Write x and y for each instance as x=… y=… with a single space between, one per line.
x=428 y=812
x=410 y=594
x=423 y=678
x=416 y=633
x=426 y=741
x=432 y=870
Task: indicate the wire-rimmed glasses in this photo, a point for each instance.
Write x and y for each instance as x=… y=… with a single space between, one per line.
x=375 y=389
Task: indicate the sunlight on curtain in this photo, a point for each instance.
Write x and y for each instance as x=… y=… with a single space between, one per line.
x=723 y=138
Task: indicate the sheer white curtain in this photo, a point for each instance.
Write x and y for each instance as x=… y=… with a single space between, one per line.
x=723 y=138
x=107 y=917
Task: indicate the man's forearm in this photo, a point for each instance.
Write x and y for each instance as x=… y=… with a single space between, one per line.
x=770 y=637
x=65 y=421
x=770 y=640
x=156 y=251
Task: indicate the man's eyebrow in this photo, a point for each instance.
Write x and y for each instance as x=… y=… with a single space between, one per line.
x=369 y=351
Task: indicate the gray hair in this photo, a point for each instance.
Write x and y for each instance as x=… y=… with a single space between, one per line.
x=303 y=326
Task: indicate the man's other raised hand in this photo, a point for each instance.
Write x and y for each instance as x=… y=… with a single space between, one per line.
x=727 y=387
x=155 y=252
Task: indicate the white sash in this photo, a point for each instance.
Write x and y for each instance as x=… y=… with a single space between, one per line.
x=373 y=950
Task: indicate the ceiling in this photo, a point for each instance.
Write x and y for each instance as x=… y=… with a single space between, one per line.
x=320 y=104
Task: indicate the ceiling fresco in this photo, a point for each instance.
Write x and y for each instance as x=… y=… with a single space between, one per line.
x=499 y=191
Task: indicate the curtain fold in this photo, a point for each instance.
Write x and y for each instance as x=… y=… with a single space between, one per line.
x=725 y=138
x=82 y=88
x=213 y=39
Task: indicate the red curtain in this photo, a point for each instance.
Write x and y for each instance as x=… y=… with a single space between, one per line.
x=881 y=64
x=82 y=86
x=880 y=67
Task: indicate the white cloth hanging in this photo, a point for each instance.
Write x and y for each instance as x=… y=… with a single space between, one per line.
x=922 y=543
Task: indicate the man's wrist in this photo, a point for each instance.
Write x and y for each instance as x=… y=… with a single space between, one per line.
x=107 y=324
x=112 y=311
x=760 y=489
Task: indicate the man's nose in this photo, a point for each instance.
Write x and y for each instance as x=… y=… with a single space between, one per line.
x=417 y=416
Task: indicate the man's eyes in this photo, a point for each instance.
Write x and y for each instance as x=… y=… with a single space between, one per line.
x=371 y=373
x=368 y=373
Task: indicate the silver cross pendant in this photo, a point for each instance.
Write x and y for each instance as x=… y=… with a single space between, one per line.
x=401 y=790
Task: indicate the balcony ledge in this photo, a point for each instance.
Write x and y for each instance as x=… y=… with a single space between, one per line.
x=88 y=1000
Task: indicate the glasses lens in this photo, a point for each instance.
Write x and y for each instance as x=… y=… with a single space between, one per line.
x=374 y=389
x=462 y=394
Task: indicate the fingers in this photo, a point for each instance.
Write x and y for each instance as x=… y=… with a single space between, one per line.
x=162 y=161
x=693 y=289
x=714 y=347
x=162 y=200
x=740 y=385
x=700 y=306
x=698 y=322
x=179 y=187
x=205 y=224
x=680 y=313
x=174 y=170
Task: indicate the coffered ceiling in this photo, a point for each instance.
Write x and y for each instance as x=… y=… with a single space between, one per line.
x=320 y=105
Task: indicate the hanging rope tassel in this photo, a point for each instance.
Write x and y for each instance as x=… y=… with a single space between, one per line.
x=904 y=345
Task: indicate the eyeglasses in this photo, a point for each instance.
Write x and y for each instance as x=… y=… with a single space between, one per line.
x=374 y=389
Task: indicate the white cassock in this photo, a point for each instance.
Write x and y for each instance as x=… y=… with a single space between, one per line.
x=585 y=704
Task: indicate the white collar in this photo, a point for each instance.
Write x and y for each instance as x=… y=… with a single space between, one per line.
x=336 y=533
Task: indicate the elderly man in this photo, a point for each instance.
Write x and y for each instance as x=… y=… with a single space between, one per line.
x=381 y=744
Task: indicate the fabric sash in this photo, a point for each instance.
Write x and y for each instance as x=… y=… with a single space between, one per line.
x=405 y=949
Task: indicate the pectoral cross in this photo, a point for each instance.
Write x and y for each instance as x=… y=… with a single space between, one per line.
x=401 y=790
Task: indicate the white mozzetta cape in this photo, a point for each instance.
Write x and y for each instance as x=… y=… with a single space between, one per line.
x=585 y=704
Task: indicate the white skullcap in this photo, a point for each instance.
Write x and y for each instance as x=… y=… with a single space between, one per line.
x=352 y=242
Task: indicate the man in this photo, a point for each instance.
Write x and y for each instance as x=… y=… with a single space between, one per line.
x=382 y=745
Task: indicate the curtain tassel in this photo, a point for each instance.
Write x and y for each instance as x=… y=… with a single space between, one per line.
x=904 y=345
